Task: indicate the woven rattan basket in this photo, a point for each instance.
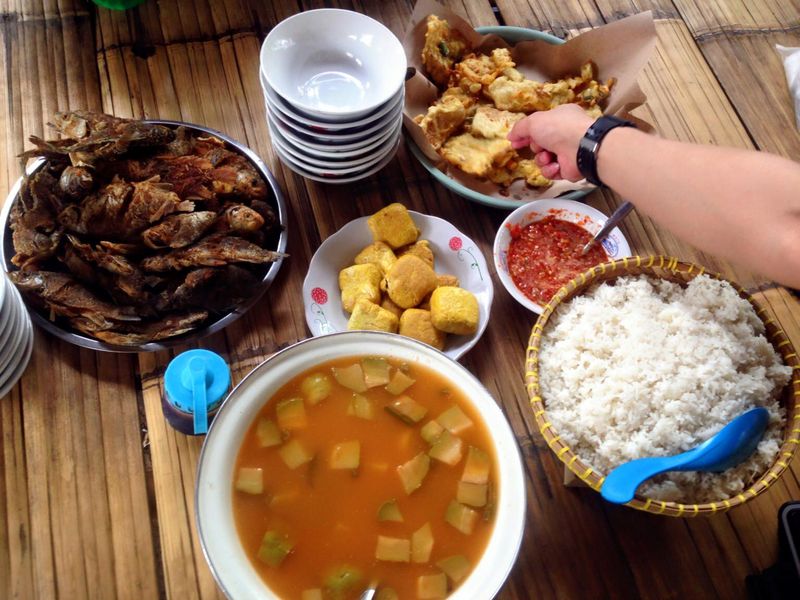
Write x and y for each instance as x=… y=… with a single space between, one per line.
x=673 y=270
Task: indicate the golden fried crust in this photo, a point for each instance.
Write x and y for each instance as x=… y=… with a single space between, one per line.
x=442 y=119
x=475 y=155
x=483 y=69
x=524 y=96
x=489 y=122
x=443 y=47
x=514 y=169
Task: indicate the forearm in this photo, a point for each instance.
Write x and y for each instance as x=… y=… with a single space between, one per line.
x=744 y=206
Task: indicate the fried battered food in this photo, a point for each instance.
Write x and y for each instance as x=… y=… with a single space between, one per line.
x=489 y=122
x=523 y=168
x=443 y=47
x=481 y=69
x=476 y=155
x=445 y=116
x=128 y=220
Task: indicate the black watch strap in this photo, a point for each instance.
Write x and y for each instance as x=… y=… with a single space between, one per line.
x=590 y=144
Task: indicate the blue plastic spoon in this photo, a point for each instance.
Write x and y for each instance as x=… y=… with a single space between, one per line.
x=734 y=442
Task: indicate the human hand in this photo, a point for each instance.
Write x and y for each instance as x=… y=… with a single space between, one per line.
x=554 y=136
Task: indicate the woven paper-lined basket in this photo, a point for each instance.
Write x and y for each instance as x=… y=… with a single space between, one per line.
x=673 y=270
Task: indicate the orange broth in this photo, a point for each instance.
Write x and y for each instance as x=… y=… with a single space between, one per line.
x=331 y=516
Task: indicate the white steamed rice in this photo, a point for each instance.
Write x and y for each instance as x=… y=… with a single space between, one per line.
x=646 y=367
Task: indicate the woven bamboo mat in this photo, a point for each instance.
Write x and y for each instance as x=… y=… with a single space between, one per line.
x=96 y=490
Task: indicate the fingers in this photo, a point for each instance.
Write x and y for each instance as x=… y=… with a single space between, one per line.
x=521 y=135
x=544 y=158
x=552 y=170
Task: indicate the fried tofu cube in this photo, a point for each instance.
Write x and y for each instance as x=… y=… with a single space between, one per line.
x=416 y=323
x=367 y=315
x=360 y=281
x=393 y=224
x=422 y=249
x=454 y=310
x=409 y=280
x=387 y=304
x=378 y=254
x=443 y=280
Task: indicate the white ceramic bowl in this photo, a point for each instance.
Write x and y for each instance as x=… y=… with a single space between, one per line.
x=285 y=109
x=591 y=219
x=213 y=492
x=338 y=162
x=454 y=253
x=334 y=64
x=326 y=177
x=336 y=169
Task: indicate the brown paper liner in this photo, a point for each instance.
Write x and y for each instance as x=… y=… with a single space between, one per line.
x=620 y=50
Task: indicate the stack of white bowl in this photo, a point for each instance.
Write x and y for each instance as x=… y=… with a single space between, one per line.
x=333 y=84
x=16 y=336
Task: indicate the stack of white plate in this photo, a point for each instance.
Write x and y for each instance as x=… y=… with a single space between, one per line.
x=333 y=84
x=16 y=336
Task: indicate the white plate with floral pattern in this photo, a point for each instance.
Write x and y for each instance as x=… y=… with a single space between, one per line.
x=454 y=253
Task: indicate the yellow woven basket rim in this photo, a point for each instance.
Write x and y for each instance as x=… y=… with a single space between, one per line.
x=593 y=479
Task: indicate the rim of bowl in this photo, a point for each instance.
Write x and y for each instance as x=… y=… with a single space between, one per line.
x=540 y=208
x=7 y=250
x=320 y=161
x=512 y=35
x=311 y=14
x=502 y=549
x=283 y=106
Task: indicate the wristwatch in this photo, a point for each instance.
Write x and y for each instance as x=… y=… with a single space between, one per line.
x=590 y=144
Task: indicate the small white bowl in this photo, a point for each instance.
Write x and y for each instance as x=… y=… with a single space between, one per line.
x=335 y=64
x=322 y=148
x=215 y=473
x=454 y=253
x=335 y=137
x=313 y=164
x=583 y=215
x=336 y=169
x=284 y=108
x=327 y=177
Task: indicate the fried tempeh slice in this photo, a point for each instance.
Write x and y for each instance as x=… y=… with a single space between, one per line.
x=213 y=251
x=444 y=46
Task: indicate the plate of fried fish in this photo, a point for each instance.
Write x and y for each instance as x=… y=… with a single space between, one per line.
x=472 y=85
x=129 y=236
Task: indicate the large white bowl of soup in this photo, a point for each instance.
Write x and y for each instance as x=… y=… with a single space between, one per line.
x=358 y=458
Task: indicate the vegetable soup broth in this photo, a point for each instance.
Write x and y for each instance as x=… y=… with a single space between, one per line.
x=331 y=516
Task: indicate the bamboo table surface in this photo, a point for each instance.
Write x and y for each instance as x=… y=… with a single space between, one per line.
x=96 y=489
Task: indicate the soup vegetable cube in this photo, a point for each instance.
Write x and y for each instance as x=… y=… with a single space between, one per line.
x=294 y=454
x=447 y=448
x=473 y=494
x=477 y=467
x=461 y=517
x=316 y=388
x=431 y=431
x=361 y=407
x=376 y=371
x=454 y=420
x=430 y=587
x=422 y=544
x=393 y=549
x=291 y=414
x=275 y=546
x=455 y=567
x=346 y=455
x=413 y=472
x=250 y=480
x=351 y=377
x=407 y=409
x=389 y=511
x=312 y=594
x=268 y=433
x=342 y=580
x=400 y=383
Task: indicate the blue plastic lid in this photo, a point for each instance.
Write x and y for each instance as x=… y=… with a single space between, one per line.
x=195 y=382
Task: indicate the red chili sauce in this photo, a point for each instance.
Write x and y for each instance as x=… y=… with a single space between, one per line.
x=546 y=254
